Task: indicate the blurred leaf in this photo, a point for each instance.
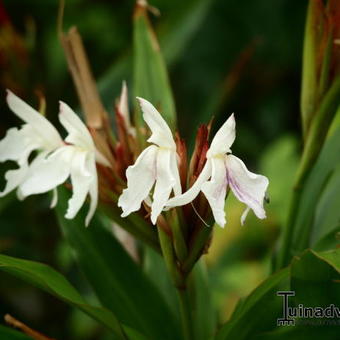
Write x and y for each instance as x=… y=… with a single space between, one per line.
x=175 y=33
x=204 y=312
x=298 y=333
x=258 y=311
x=119 y=283
x=279 y=163
x=315 y=279
x=327 y=214
x=154 y=268
x=150 y=74
x=313 y=189
x=7 y=333
x=47 y=279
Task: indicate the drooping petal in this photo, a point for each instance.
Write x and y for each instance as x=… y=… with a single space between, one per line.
x=93 y=191
x=244 y=215
x=215 y=190
x=78 y=133
x=46 y=174
x=81 y=178
x=38 y=122
x=164 y=183
x=54 y=200
x=224 y=138
x=248 y=187
x=14 y=178
x=192 y=193
x=161 y=133
x=175 y=173
x=140 y=178
x=18 y=144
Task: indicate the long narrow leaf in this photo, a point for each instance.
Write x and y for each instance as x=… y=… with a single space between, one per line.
x=119 y=283
x=49 y=280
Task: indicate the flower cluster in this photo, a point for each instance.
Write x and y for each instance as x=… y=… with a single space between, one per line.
x=157 y=166
x=158 y=180
x=55 y=159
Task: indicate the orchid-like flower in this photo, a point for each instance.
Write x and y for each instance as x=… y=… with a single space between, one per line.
x=222 y=169
x=37 y=134
x=156 y=165
x=75 y=159
x=56 y=159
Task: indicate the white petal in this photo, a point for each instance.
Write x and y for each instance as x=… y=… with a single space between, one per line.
x=191 y=194
x=93 y=192
x=215 y=190
x=46 y=174
x=78 y=132
x=37 y=121
x=54 y=198
x=17 y=145
x=248 y=187
x=81 y=178
x=140 y=179
x=175 y=173
x=101 y=159
x=164 y=183
x=14 y=178
x=224 y=138
x=161 y=133
x=244 y=215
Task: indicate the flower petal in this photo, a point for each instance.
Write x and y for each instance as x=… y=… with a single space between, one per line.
x=17 y=145
x=140 y=179
x=78 y=133
x=14 y=178
x=93 y=192
x=215 y=190
x=81 y=178
x=37 y=121
x=164 y=183
x=175 y=173
x=224 y=138
x=54 y=201
x=161 y=133
x=46 y=174
x=248 y=187
x=191 y=194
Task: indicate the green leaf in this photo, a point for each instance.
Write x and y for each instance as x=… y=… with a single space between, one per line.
x=204 y=313
x=7 y=333
x=314 y=277
x=151 y=79
x=119 y=283
x=313 y=189
x=49 y=280
x=260 y=309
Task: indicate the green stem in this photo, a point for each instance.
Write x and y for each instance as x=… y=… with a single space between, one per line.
x=315 y=140
x=180 y=246
x=287 y=237
x=198 y=243
x=186 y=315
x=179 y=282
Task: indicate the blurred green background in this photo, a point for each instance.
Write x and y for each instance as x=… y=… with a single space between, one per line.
x=223 y=56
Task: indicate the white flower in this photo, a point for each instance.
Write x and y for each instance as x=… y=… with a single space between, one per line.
x=223 y=169
x=36 y=134
x=157 y=164
x=76 y=159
